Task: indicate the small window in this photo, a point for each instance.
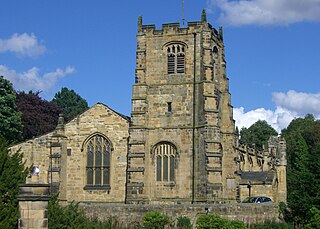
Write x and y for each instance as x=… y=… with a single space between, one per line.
x=169 y=106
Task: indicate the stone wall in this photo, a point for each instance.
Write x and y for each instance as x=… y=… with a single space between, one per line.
x=69 y=166
x=130 y=215
x=33 y=205
x=103 y=121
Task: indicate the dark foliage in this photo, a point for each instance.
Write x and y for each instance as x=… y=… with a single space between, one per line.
x=70 y=102
x=72 y=216
x=257 y=135
x=10 y=118
x=183 y=222
x=155 y=220
x=38 y=115
x=303 y=177
x=12 y=173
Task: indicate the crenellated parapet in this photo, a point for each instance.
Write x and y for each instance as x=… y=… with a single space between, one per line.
x=175 y=28
x=260 y=168
x=253 y=159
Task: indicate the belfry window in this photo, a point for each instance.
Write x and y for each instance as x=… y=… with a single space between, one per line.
x=98 y=151
x=176 y=58
x=165 y=154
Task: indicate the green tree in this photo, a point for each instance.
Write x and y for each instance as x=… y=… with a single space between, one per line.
x=10 y=118
x=257 y=134
x=70 y=102
x=303 y=157
x=314 y=219
x=38 y=115
x=12 y=173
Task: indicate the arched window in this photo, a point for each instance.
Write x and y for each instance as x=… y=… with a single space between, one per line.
x=98 y=151
x=165 y=154
x=176 y=58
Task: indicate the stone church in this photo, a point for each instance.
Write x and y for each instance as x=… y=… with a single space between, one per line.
x=178 y=146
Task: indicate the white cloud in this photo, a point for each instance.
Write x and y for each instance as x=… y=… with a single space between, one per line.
x=32 y=80
x=23 y=45
x=266 y=12
x=288 y=106
x=301 y=103
x=278 y=119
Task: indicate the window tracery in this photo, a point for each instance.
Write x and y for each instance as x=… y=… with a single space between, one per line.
x=176 y=58
x=165 y=154
x=98 y=151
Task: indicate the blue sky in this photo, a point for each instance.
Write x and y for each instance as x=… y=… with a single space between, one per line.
x=272 y=50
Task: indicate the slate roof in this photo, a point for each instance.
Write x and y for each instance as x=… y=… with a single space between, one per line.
x=263 y=177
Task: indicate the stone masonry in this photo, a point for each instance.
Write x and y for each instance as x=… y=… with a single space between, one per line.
x=178 y=147
x=33 y=205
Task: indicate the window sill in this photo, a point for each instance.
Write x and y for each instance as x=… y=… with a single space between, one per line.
x=97 y=187
x=167 y=183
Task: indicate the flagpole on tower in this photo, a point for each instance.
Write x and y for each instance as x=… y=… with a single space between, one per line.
x=182 y=13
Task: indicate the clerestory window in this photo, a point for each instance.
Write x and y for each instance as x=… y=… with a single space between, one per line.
x=165 y=154
x=98 y=152
x=176 y=58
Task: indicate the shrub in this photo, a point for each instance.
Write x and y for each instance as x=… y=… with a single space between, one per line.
x=271 y=224
x=314 y=218
x=155 y=220
x=183 y=222
x=71 y=216
x=211 y=221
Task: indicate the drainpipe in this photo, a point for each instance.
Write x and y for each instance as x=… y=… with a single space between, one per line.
x=127 y=167
x=194 y=117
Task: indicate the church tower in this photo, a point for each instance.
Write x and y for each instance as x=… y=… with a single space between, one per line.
x=182 y=138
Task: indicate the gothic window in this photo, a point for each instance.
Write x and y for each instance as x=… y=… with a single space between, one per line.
x=176 y=58
x=165 y=154
x=98 y=151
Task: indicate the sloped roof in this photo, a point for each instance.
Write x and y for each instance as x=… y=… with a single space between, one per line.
x=264 y=177
x=121 y=115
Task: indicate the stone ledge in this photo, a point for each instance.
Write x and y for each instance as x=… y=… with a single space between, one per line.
x=213 y=154
x=139 y=169
x=96 y=187
x=33 y=198
x=136 y=155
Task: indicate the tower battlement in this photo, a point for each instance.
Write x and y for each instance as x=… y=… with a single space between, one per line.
x=175 y=28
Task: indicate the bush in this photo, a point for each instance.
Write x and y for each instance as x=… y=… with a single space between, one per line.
x=271 y=224
x=155 y=220
x=183 y=222
x=314 y=218
x=211 y=221
x=71 y=216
